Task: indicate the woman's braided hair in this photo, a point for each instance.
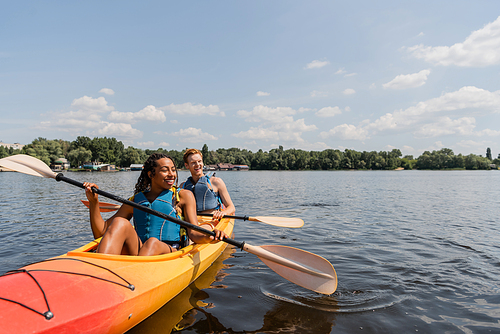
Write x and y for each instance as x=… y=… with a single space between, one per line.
x=144 y=181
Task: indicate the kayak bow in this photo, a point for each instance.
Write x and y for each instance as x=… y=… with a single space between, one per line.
x=87 y=292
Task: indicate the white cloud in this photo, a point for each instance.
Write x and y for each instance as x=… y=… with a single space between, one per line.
x=459 y=103
x=160 y=133
x=193 y=135
x=447 y=126
x=86 y=103
x=86 y=119
x=295 y=126
x=87 y=116
x=408 y=150
x=317 y=64
x=329 y=112
x=347 y=108
x=277 y=124
x=267 y=114
x=120 y=130
x=404 y=81
x=258 y=133
x=481 y=48
x=261 y=93
x=389 y=148
x=317 y=93
x=472 y=144
x=346 y=132
x=146 y=144
x=62 y=122
x=341 y=71
x=190 y=109
x=450 y=114
x=317 y=146
x=487 y=132
x=349 y=91
x=163 y=144
x=107 y=91
x=289 y=132
x=149 y=113
x=434 y=147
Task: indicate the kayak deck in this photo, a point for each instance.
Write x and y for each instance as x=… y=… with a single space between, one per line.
x=86 y=292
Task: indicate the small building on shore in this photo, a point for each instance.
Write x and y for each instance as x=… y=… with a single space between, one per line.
x=15 y=146
x=136 y=167
x=209 y=167
x=225 y=166
x=241 y=167
x=60 y=164
x=92 y=165
x=107 y=168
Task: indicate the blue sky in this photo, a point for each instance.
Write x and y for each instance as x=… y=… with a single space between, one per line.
x=311 y=75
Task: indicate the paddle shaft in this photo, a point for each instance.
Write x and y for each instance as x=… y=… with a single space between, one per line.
x=227 y=216
x=61 y=177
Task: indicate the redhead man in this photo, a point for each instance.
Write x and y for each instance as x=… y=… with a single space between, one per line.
x=210 y=192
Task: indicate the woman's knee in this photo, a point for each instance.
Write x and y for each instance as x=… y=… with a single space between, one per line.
x=120 y=225
x=153 y=246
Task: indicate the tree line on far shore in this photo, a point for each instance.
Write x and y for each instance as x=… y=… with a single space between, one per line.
x=112 y=151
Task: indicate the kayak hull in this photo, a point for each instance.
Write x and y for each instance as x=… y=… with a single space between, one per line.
x=88 y=292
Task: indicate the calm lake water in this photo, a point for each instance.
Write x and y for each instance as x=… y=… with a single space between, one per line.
x=414 y=251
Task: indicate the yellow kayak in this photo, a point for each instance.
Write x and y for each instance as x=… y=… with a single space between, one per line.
x=86 y=292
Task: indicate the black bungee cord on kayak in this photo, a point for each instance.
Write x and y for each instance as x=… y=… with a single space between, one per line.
x=128 y=285
x=48 y=314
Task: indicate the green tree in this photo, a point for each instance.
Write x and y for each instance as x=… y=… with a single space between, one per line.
x=3 y=152
x=78 y=156
x=488 y=153
x=393 y=159
x=206 y=155
x=407 y=163
x=132 y=156
x=496 y=161
x=81 y=141
x=379 y=163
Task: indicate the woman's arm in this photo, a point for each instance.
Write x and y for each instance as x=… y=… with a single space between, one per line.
x=187 y=203
x=97 y=223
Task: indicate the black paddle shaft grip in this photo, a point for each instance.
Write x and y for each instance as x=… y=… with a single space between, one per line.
x=226 y=216
x=61 y=177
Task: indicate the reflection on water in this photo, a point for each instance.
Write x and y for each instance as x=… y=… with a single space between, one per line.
x=413 y=250
x=181 y=312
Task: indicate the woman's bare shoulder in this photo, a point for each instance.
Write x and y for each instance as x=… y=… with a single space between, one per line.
x=183 y=193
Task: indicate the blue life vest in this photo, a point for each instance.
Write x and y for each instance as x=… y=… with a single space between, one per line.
x=206 y=198
x=148 y=225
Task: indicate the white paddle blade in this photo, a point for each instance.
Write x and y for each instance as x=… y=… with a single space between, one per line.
x=303 y=268
x=280 y=221
x=28 y=165
x=103 y=206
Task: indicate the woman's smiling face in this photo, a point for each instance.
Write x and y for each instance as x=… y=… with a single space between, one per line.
x=165 y=174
